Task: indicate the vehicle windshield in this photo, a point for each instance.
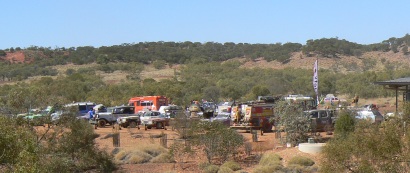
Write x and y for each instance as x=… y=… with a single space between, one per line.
x=222 y=116
x=110 y=109
x=118 y=110
x=163 y=116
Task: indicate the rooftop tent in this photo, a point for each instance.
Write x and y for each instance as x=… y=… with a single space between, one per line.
x=401 y=84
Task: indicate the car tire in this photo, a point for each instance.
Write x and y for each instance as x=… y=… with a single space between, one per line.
x=133 y=124
x=102 y=123
x=159 y=125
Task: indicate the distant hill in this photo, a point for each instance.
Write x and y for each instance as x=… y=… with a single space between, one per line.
x=369 y=61
x=340 y=56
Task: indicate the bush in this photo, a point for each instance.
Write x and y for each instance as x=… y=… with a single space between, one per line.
x=270 y=159
x=301 y=160
x=267 y=168
x=137 y=157
x=68 y=147
x=163 y=158
x=153 y=150
x=269 y=162
x=345 y=124
x=232 y=165
x=217 y=141
x=147 y=153
x=223 y=169
x=368 y=149
x=211 y=169
x=296 y=124
x=203 y=165
x=295 y=168
x=159 y=64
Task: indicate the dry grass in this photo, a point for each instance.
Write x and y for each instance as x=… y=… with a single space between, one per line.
x=137 y=157
x=143 y=154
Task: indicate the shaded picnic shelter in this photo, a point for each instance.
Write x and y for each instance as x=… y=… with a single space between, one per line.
x=400 y=84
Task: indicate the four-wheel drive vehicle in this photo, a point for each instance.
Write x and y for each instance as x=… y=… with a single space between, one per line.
x=81 y=107
x=154 y=119
x=38 y=117
x=171 y=110
x=374 y=116
x=112 y=114
x=130 y=121
x=322 y=120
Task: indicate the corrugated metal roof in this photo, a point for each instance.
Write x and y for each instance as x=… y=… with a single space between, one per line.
x=397 y=82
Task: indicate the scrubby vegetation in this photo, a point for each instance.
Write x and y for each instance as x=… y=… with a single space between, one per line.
x=269 y=162
x=291 y=117
x=368 y=147
x=69 y=147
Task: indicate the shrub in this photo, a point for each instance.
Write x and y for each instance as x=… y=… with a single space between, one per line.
x=269 y=162
x=153 y=150
x=137 y=157
x=270 y=159
x=120 y=156
x=217 y=141
x=223 y=169
x=368 y=149
x=232 y=165
x=68 y=147
x=159 y=64
x=267 y=168
x=163 y=158
x=296 y=124
x=301 y=160
x=203 y=165
x=211 y=169
x=345 y=124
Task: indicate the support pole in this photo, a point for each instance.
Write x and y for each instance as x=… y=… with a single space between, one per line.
x=397 y=102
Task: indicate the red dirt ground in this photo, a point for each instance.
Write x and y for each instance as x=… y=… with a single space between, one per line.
x=266 y=143
x=14 y=57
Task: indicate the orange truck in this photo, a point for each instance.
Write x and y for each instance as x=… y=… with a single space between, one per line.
x=258 y=116
x=152 y=103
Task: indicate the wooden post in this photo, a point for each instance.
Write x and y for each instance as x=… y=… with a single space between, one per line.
x=163 y=140
x=116 y=136
x=254 y=136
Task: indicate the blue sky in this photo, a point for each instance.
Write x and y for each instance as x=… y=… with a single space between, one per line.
x=58 y=23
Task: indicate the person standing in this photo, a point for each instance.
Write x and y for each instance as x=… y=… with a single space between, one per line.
x=355 y=100
x=91 y=114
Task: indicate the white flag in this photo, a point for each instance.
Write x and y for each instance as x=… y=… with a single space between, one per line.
x=315 y=78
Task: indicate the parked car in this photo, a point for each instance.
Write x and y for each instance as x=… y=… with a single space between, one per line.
x=154 y=119
x=81 y=107
x=171 y=110
x=374 y=116
x=112 y=114
x=130 y=121
x=322 y=120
